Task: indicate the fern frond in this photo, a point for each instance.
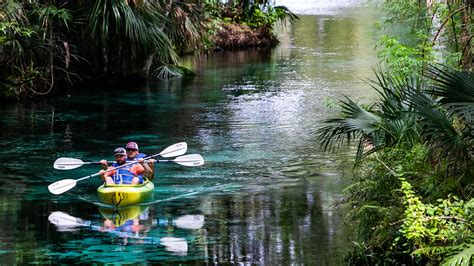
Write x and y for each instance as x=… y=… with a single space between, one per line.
x=464 y=257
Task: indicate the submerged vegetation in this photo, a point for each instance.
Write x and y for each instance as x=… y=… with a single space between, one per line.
x=45 y=45
x=411 y=195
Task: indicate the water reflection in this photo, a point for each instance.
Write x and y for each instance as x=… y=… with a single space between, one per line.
x=266 y=192
x=321 y=7
x=289 y=224
x=133 y=225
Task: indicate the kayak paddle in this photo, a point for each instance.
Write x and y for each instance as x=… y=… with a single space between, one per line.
x=64 y=220
x=64 y=185
x=186 y=160
x=65 y=163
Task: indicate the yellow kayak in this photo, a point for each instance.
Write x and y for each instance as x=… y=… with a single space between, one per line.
x=126 y=195
x=119 y=216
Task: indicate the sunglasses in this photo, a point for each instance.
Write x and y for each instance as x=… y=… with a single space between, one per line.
x=119 y=155
x=132 y=150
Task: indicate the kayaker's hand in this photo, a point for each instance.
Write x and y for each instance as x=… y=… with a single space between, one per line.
x=103 y=164
x=141 y=161
x=151 y=162
x=102 y=175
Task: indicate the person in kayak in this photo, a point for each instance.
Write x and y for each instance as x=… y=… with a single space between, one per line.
x=130 y=174
x=133 y=154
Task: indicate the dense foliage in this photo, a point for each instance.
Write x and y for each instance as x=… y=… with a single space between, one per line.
x=418 y=33
x=417 y=139
x=47 y=44
x=243 y=24
x=411 y=194
x=34 y=52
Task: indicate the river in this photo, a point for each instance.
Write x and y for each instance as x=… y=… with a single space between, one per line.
x=265 y=195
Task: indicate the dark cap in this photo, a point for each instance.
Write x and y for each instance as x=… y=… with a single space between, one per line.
x=132 y=145
x=120 y=151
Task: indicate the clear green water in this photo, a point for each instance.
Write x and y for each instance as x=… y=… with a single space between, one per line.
x=266 y=194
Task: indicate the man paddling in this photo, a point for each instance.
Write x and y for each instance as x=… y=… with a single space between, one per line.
x=133 y=154
x=130 y=174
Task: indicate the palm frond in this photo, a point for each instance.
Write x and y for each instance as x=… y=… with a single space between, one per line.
x=170 y=71
x=285 y=13
x=455 y=90
x=186 y=27
x=49 y=14
x=12 y=11
x=437 y=129
x=136 y=31
x=356 y=123
x=403 y=129
x=392 y=92
x=464 y=257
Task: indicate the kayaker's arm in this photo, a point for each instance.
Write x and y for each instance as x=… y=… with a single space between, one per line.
x=106 y=176
x=102 y=175
x=151 y=164
x=149 y=168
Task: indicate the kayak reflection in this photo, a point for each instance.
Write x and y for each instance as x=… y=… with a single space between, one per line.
x=135 y=214
x=132 y=225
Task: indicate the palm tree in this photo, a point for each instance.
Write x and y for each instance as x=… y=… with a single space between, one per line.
x=447 y=117
x=187 y=27
x=129 y=35
x=386 y=123
x=133 y=36
x=441 y=116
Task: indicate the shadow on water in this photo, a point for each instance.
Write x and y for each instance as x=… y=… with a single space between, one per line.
x=266 y=194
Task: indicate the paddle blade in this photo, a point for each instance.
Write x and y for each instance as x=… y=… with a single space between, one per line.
x=59 y=218
x=62 y=186
x=64 y=163
x=65 y=222
x=174 y=150
x=175 y=244
x=190 y=221
x=190 y=160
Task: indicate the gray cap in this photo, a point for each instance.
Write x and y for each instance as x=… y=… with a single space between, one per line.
x=120 y=151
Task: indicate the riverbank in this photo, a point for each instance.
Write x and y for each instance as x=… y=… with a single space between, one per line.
x=410 y=199
x=41 y=52
x=238 y=36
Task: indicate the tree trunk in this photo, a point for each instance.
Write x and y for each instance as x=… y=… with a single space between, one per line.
x=146 y=69
x=466 y=36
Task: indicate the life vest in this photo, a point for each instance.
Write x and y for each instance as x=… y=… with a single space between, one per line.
x=125 y=174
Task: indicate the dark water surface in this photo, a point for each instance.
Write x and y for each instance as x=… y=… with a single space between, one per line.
x=266 y=195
